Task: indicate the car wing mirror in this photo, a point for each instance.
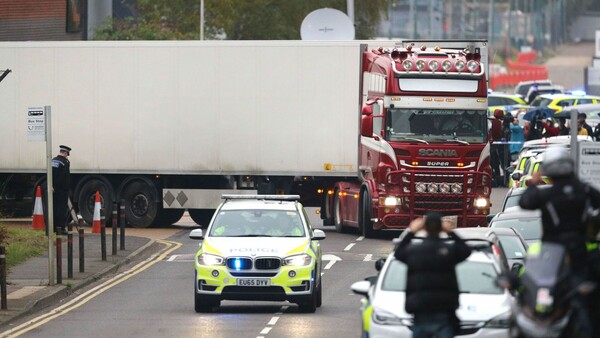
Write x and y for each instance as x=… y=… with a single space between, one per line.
x=510 y=169
x=379 y=264
x=515 y=176
x=516 y=267
x=197 y=234
x=361 y=288
x=318 y=235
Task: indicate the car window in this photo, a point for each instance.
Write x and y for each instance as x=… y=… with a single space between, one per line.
x=495 y=101
x=529 y=228
x=536 y=166
x=512 y=201
x=541 y=102
x=472 y=277
x=257 y=223
x=513 y=247
x=584 y=101
x=565 y=103
x=477 y=277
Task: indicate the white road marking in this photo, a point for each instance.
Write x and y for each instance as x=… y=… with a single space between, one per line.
x=172 y=258
x=368 y=258
x=266 y=330
x=273 y=321
x=349 y=246
x=329 y=265
x=360 y=238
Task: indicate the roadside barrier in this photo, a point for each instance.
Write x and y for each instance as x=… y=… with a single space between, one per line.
x=103 y=236
x=38 y=211
x=58 y=260
x=122 y=220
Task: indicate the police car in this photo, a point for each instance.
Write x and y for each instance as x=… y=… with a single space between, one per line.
x=258 y=247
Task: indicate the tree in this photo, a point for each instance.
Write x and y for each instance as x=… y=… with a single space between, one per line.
x=232 y=19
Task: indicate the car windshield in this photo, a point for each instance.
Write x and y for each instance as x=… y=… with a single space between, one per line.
x=436 y=125
x=472 y=277
x=529 y=228
x=541 y=102
x=513 y=247
x=257 y=223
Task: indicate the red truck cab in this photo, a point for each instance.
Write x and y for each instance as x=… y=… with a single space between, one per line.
x=423 y=139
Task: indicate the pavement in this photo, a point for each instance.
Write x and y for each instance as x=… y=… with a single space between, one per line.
x=28 y=287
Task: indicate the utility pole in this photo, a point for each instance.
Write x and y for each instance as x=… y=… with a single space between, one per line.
x=201 y=19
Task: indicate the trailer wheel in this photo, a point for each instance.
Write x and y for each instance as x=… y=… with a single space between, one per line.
x=87 y=199
x=167 y=217
x=337 y=214
x=201 y=216
x=140 y=203
x=365 y=215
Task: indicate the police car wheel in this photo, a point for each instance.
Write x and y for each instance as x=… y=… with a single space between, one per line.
x=309 y=304
x=204 y=304
x=320 y=293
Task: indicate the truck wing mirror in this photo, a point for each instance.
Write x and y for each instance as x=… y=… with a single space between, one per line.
x=366 y=126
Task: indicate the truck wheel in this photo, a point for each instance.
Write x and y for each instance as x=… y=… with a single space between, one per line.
x=365 y=215
x=337 y=215
x=87 y=199
x=201 y=216
x=140 y=203
x=167 y=217
x=326 y=210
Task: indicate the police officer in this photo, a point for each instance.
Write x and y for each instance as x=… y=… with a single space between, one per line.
x=61 y=181
x=566 y=208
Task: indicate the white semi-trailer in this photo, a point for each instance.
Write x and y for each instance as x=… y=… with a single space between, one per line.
x=168 y=126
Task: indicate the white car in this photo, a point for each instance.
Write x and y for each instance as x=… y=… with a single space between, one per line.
x=258 y=247
x=484 y=309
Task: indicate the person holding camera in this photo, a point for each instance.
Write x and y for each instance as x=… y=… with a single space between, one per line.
x=432 y=289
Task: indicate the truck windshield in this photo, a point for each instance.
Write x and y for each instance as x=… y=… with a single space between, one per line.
x=436 y=125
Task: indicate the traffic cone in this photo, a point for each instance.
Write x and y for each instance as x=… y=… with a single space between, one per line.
x=38 y=211
x=96 y=226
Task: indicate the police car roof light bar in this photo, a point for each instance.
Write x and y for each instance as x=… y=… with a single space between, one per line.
x=261 y=197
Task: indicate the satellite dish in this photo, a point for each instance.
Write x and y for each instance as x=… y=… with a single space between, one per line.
x=327 y=24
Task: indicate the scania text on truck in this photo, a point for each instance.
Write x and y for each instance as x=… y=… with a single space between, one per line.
x=423 y=138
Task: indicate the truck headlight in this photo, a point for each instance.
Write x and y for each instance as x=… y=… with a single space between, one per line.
x=481 y=203
x=390 y=201
x=210 y=260
x=297 y=260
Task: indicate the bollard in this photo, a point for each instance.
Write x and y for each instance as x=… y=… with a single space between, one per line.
x=3 y=293
x=122 y=225
x=70 y=254
x=103 y=235
x=58 y=260
x=114 y=229
x=81 y=251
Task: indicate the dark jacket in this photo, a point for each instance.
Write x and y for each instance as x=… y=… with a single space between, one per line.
x=564 y=207
x=431 y=281
x=61 y=172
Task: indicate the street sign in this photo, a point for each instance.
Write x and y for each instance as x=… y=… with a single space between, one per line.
x=589 y=163
x=36 y=124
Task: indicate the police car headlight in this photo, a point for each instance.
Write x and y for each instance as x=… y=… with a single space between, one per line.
x=210 y=260
x=481 y=202
x=383 y=317
x=390 y=201
x=297 y=260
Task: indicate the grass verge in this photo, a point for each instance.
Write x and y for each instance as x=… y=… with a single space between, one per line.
x=22 y=244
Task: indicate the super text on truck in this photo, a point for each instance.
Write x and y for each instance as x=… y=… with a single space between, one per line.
x=423 y=138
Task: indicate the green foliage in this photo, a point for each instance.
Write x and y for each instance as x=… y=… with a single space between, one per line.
x=21 y=244
x=232 y=19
